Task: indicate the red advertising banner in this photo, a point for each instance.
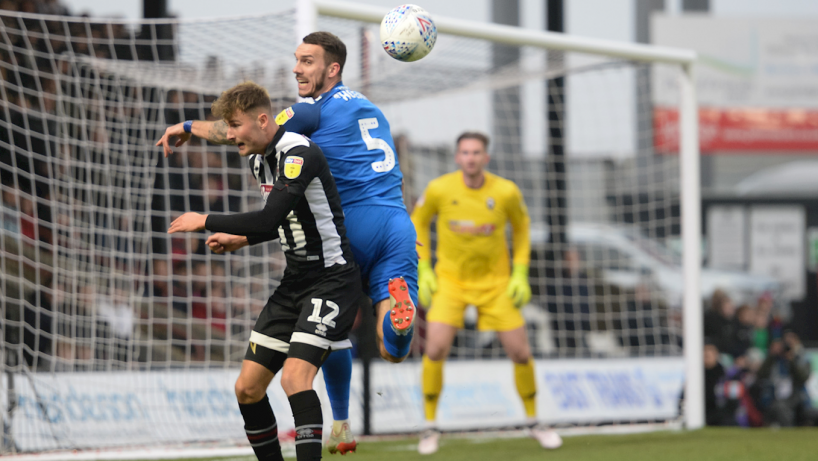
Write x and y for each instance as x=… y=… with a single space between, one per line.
x=726 y=131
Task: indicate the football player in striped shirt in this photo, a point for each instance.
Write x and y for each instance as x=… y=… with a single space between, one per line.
x=312 y=311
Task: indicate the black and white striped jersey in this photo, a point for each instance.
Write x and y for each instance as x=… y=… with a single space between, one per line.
x=301 y=202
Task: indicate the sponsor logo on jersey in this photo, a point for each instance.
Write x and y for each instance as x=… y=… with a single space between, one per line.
x=253 y=347
x=470 y=228
x=292 y=167
x=321 y=329
x=490 y=203
x=284 y=116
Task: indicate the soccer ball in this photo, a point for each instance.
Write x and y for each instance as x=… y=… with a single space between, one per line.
x=408 y=33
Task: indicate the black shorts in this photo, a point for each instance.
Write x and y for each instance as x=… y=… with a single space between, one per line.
x=309 y=315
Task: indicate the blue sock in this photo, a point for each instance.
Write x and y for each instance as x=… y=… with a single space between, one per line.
x=337 y=375
x=397 y=345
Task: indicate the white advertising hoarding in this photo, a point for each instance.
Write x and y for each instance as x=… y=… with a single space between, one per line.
x=482 y=394
x=84 y=410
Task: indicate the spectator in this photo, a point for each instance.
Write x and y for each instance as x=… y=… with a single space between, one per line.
x=569 y=303
x=11 y=222
x=215 y=194
x=645 y=313
x=767 y=327
x=743 y=330
x=161 y=287
x=718 y=321
x=38 y=316
x=715 y=415
x=117 y=323
x=781 y=382
x=218 y=309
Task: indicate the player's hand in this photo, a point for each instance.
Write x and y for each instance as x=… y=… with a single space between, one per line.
x=188 y=222
x=177 y=130
x=427 y=283
x=518 y=288
x=221 y=242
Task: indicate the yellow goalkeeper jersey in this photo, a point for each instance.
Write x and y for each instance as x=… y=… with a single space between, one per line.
x=471 y=223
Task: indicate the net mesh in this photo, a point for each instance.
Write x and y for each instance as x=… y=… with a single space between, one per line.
x=91 y=282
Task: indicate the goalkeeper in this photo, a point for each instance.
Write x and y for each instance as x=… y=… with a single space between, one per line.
x=472 y=208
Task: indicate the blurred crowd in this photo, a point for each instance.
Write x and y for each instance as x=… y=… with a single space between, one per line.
x=756 y=369
x=80 y=266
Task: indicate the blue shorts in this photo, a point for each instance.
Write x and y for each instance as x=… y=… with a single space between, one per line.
x=383 y=243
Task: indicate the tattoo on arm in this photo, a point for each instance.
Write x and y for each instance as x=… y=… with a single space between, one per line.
x=217 y=133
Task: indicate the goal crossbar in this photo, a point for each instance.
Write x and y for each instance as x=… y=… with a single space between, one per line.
x=511 y=35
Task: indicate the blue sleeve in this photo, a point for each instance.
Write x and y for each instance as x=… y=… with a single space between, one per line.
x=301 y=118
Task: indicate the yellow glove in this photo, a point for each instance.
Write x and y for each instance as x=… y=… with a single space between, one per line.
x=427 y=283
x=518 y=288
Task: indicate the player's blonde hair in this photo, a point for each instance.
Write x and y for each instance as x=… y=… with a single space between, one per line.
x=245 y=97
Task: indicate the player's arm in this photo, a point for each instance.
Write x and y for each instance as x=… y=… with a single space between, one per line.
x=262 y=225
x=244 y=228
x=257 y=226
x=288 y=189
x=213 y=131
x=425 y=209
x=302 y=118
x=519 y=288
x=521 y=228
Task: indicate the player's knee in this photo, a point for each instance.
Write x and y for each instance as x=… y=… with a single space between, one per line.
x=293 y=383
x=247 y=392
x=436 y=352
x=521 y=356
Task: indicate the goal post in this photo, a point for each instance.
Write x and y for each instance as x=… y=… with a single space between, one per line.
x=688 y=149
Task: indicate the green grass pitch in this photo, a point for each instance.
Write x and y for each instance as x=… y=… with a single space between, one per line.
x=716 y=444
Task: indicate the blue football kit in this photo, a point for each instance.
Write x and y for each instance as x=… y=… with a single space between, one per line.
x=357 y=143
x=356 y=140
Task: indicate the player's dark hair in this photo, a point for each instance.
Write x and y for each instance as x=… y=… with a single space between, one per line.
x=474 y=135
x=245 y=97
x=334 y=48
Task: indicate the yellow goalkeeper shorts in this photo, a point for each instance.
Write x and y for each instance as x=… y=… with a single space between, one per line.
x=495 y=310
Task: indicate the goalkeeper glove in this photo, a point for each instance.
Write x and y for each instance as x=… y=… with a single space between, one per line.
x=518 y=288
x=427 y=283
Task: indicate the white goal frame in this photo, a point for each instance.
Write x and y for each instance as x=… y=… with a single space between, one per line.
x=306 y=19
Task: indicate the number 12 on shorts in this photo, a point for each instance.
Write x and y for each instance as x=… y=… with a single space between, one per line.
x=328 y=319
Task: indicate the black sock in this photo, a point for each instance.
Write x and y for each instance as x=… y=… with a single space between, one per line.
x=262 y=430
x=309 y=424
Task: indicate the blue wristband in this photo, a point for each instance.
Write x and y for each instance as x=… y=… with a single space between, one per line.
x=188 y=125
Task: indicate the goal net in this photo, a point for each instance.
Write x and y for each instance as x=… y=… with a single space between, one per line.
x=115 y=333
